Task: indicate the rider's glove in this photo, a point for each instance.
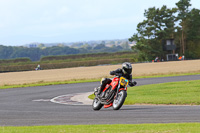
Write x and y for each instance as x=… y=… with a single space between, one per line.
x=132 y=83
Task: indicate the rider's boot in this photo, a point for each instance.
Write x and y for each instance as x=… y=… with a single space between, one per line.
x=97 y=90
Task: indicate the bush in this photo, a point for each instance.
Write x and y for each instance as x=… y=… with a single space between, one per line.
x=15 y=60
x=81 y=56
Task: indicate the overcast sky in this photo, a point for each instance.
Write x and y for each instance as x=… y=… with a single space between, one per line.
x=57 y=21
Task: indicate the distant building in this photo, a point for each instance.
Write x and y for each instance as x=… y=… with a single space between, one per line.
x=170 y=47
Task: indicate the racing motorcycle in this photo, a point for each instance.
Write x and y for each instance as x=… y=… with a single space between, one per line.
x=114 y=94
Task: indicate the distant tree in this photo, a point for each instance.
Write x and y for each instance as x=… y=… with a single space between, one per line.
x=5 y=52
x=41 y=45
x=192 y=49
x=61 y=45
x=76 y=45
x=32 y=53
x=86 y=46
x=159 y=25
x=183 y=11
x=180 y=23
x=125 y=45
x=99 y=46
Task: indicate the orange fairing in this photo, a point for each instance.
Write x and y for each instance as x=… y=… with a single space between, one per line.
x=114 y=82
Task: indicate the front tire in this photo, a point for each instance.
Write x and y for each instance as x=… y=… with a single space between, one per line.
x=96 y=104
x=117 y=103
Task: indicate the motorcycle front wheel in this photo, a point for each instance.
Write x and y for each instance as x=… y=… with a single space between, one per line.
x=119 y=101
x=96 y=104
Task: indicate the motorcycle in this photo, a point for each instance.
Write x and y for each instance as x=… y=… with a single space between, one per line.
x=114 y=94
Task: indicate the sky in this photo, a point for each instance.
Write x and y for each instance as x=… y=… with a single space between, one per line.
x=61 y=21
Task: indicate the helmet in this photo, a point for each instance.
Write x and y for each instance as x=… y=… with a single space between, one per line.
x=126 y=68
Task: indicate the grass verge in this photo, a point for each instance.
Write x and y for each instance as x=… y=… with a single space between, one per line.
x=116 y=128
x=42 y=83
x=173 y=93
x=166 y=75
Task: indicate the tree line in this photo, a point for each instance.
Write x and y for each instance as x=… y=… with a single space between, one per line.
x=66 y=61
x=180 y=23
x=35 y=54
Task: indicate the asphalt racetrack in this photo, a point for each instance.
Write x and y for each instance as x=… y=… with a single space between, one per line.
x=32 y=106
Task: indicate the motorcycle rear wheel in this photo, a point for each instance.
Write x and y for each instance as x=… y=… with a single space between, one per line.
x=96 y=104
x=117 y=103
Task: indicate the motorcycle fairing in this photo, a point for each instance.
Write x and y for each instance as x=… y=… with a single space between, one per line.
x=114 y=83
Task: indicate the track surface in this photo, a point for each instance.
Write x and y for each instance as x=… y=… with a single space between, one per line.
x=32 y=106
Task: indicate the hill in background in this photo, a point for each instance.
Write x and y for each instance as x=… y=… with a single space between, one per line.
x=36 y=51
x=94 y=43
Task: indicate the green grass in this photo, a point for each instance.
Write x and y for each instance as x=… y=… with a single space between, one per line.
x=116 y=128
x=42 y=83
x=174 y=93
x=167 y=75
x=182 y=93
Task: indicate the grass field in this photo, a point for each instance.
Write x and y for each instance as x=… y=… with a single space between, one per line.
x=97 y=72
x=174 y=93
x=116 y=128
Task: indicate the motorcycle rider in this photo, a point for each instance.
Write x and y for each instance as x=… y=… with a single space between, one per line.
x=125 y=71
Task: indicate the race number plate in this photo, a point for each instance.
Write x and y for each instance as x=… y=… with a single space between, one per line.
x=123 y=81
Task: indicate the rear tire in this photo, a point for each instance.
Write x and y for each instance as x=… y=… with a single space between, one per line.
x=96 y=104
x=117 y=103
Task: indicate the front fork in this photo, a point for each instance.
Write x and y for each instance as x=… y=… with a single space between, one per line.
x=118 y=89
